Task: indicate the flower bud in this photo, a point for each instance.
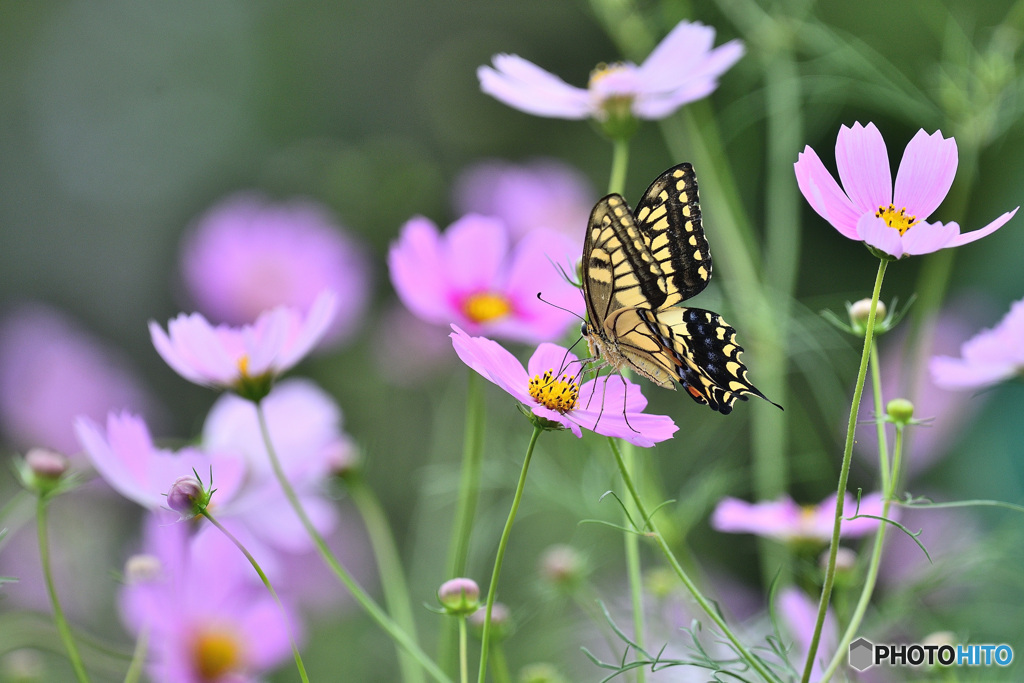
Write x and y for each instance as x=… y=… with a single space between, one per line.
x=900 y=411
x=342 y=457
x=23 y=665
x=187 y=497
x=562 y=567
x=541 y=672
x=459 y=597
x=860 y=311
x=142 y=568
x=43 y=471
x=501 y=621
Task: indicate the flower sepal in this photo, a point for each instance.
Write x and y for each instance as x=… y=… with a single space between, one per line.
x=617 y=121
x=46 y=473
x=540 y=422
x=254 y=389
x=188 y=497
x=878 y=253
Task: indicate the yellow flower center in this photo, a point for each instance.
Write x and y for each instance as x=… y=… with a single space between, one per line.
x=900 y=220
x=243 y=366
x=602 y=70
x=486 y=306
x=559 y=395
x=216 y=652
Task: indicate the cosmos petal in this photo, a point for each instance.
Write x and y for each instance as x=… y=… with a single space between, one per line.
x=926 y=173
x=863 y=165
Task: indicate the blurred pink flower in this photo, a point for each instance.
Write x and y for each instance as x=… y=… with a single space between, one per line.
x=469 y=276
x=124 y=455
x=990 y=357
x=784 y=520
x=51 y=371
x=869 y=209
x=247 y=255
x=595 y=405
x=542 y=193
x=681 y=69
x=238 y=358
x=408 y=350
x=205 y=618
x=798 y=613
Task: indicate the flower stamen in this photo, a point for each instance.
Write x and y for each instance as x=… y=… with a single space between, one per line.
x=216 y=652
x=486 y=306
x=243 y=366
x=559 y=395
x=900 y=220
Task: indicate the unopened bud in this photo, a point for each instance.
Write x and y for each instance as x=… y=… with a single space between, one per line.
x=142 y=568
x=46 y=463
x=900 y=411
x=562 y=566
x=187 y=497
x=860 y=311
x=459 y=597
x=501 y=621
x=541 y=672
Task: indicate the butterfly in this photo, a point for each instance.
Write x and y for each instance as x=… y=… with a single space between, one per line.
x=637 y=267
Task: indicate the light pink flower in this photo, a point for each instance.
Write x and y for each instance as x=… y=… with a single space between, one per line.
x=206 y=620
x=247 y=255
x=469 y=276
x=990 y=357
x=870 y=209
x=236 y=357
x=124 y=455
x=784 y=520
x=541 y=193
x=681 y=69
x=611 y=406
x=798 y=613
x=52 y=371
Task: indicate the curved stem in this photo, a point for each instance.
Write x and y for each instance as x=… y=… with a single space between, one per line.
x=844 y=473
x=58 y=612
x=876 y=560
x=138 y=656
x=389 y=565
x=469 y=494
x=270 y=588
x=492 y=589
x=633 y=572
x=365 y=601
x=754 y=662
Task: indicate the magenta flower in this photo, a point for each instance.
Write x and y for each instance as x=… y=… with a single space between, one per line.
x=245 y=359
x=247 y=255
x=681 y=69
x=205 y=617
x=869 y=209
x=990 y=357
x=124 y=455
x=611 y=406
x=52 y=371
x=542 y=193
x=784 y=520
x=470 y=277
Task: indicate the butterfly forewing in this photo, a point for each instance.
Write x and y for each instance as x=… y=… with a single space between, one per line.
x=669 y=218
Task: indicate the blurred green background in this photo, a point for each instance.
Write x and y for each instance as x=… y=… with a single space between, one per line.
x=120 y=122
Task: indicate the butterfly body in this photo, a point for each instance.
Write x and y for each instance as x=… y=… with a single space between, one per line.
x=637 y=268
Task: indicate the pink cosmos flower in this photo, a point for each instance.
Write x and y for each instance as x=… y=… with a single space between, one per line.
x=784 y=520
x=205 y=618
x=247 y=255
x=469 y=276
x=681 y=69
x=541 y=193
x=240 y=357
x=869 y=209
x=611 y=406
x=990 y=357
x=798 y=613
x=51 y=371
x=126 y=458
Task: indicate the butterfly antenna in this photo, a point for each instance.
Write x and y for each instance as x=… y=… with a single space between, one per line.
x=572 y=313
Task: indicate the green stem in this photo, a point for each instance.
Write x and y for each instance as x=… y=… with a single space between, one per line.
x=876 y=390
x=389 y=565
x=636 y=586
x=876 y=560
x=844 y=473
x=499 y=667
x=138 y=656
x=463 y=647
x=365 y=601
x=58 y=612
x=469 y=494
x=754 y=662
x=620 y=164
x=492 y=589
x=270 y=588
